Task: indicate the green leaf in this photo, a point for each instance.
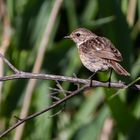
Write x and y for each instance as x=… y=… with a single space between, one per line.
x=93 y=129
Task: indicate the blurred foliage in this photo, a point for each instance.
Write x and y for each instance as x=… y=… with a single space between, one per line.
x=85 y=116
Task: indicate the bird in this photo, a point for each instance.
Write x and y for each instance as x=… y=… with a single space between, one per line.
x=97 y=53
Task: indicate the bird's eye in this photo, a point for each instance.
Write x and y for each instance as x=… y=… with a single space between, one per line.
x=78 y=34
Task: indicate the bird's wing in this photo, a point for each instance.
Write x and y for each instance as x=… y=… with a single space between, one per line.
x=103 y=48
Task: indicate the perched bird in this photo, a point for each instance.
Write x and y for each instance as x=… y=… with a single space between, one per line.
x=97 y=53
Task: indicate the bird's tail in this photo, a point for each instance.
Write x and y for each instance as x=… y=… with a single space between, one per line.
x=119 y=69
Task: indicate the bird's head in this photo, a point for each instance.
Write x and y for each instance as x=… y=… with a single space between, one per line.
x=80 y=35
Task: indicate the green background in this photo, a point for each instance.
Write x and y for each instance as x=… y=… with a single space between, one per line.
x=92 y=115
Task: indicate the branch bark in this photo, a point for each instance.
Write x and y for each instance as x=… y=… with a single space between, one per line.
x=26 y=75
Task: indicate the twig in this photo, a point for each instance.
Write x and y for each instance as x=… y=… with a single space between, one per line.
x=59 y=86
x=15 y=70
x=20 y=121
x=58 y=90
x=26 y=75
x=54 y=97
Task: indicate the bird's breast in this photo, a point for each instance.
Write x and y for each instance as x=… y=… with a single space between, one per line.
x=93 y=63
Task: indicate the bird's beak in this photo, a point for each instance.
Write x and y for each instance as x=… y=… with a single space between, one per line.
x=67 y=37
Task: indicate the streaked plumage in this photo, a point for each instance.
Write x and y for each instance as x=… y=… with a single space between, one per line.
x=97 y=53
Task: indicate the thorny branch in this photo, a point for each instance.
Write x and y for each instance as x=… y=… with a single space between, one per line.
x=25 y=75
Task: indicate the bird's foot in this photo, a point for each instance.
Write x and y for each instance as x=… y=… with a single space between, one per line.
x=91 y=78
x=90 y=84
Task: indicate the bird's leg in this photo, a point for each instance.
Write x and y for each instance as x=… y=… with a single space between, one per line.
x=109 y=79
x=91 y=78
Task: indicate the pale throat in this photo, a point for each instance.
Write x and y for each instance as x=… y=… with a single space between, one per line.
x=84 y=40
x=81 y=42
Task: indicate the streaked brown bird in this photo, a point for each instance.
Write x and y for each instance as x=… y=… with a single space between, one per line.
x=97 y=53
